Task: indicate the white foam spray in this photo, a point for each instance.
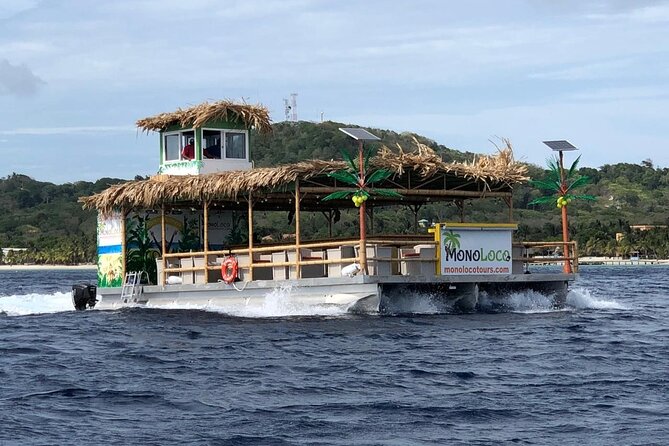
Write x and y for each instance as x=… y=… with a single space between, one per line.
x=582 y=299
x=21 y=305
x=276 y=303
x=417 y=303
x=528 y=302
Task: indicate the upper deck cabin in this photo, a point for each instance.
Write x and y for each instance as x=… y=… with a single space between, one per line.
x=207 y=138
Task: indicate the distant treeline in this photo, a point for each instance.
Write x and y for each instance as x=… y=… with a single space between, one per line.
x=47 y=219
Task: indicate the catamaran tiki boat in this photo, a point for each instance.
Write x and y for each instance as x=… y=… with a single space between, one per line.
x=186 y=235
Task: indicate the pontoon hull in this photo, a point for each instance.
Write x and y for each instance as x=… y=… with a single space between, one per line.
x=385 y=294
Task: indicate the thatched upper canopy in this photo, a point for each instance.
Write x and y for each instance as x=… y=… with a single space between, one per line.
x=421 y=168
x=256 y=116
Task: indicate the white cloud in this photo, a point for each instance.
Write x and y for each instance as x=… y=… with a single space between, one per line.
x=18 y=79
x=34 y=131
x=606 y=132
x=601 y=70
x=620 y=93
x=19 y=48
x=654 y=14
x=646 y=14
x=249 y=43
x=458 y=72
x=9 y=9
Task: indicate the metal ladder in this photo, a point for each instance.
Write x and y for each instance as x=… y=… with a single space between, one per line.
x=132 y=286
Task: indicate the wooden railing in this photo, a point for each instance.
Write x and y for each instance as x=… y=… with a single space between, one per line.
x=298 y=263
x=390 y=241
x=571 y=256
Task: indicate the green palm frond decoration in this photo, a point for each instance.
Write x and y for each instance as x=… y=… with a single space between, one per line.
x=563 y=191
x=362 y=189
x=452 y=240
x=345 y=176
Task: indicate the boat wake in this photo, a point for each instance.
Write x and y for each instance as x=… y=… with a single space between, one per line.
x=519 y=302
x=530 y=302
x=25 y=304
x=416 y=302
x=582 y=299
x=277 y=303
x=525 y=302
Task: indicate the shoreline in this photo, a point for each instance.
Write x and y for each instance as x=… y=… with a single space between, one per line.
x=47 y=267
x=618 y=261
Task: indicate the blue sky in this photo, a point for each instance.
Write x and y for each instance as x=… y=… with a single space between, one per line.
x=75 y=75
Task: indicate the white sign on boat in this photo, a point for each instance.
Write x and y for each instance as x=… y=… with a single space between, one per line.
x=475 y=249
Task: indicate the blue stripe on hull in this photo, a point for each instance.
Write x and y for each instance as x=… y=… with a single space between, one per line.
x=111 y=249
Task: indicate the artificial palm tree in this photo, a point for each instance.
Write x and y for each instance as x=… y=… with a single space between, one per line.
x=562 y=184
x=361 y=178
x=361 y=182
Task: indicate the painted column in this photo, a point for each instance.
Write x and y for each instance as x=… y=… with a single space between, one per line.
x=124 y=245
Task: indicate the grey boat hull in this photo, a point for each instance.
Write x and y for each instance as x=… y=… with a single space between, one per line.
x=365 y=294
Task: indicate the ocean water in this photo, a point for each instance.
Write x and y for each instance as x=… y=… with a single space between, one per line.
x=593 y=373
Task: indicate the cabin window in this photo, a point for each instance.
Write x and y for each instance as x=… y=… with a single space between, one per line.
x=172 y=147
x=179 y=146
x=222 y=144
x=235 y=145
x=188 y=145
x=211 y=141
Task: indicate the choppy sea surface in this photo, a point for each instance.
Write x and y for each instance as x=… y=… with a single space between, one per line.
x=593 y=373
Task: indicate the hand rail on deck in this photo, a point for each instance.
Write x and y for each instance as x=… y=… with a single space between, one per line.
x=573 y=258
x=395 y=241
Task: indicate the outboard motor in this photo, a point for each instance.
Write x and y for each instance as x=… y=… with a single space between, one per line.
x=83 y=296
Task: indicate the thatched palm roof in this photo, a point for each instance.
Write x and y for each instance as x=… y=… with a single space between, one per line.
x=144 y=194
x=256 y=116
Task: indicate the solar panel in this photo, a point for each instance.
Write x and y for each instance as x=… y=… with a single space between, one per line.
x=560 y=146
x=360 y=134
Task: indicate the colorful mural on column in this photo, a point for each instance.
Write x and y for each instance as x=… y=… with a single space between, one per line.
x=110 y=267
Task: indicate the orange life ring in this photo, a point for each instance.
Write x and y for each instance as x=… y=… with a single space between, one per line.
x=229 y=269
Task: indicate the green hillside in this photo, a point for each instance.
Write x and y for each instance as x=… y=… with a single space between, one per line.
x=47 y=219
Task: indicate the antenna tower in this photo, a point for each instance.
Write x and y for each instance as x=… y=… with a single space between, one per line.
x=293 y=107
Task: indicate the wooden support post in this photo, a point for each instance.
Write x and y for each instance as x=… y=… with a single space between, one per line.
x=329 y=215
x=415 y=218
x=415 y=208
x=371 y=219
x=163 y=242
x=250 y=218
x=509 y=201
x=330 y=218
x=124 y=245
x=461 y=206
x=298 y=267
x=206 y=241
